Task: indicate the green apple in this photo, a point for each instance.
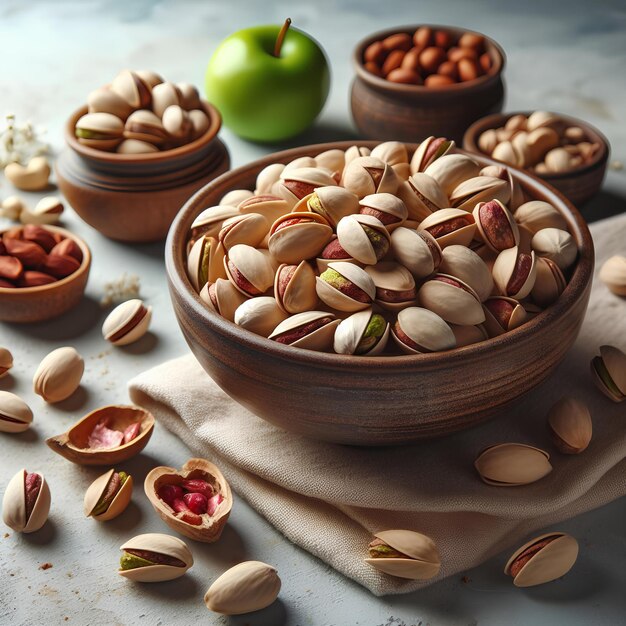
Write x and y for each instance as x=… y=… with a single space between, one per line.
x=269 y=83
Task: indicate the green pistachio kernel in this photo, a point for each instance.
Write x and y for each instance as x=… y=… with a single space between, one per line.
x=374 y=331
x=384 y=551
x=334 y=278
x=130 y=561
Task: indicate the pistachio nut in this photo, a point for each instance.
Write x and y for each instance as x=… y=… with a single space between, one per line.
x=311 y=330
x=367 y=175
x=468 y=335
x=364 y=238
x=177 y=123
x=15 y=414
x=345 y=287
x=355 y=152
x=299 y=163
x=164 y=95
x=127 y=322
x=270 y=206
x=392 y=152
x=429 y=151
x=463 y=263
x=145 y=126
x=259 y=315
x=613 y=274
x=502 y=314
x=150 y=79
x=549 y=282
x=333 y=160
x=481 y=188
x=130 y=86
x=297 y=183
x=542 y=560
x=505 y=152
x=488 y=140
x=222 y=297
x=516 y=193
x=105 y=100
x=364 y=332
x=47 y=211
x=540 y=141
x=200 y=123
x=395 y=285
x=405 y=554
x=26 y=502
x=6 y=361
x=32 y=177
x=331 y=203
x=537 y=214
x=267 y=178
x=451 y=170
x=569 y=423
x=102 y=131
x=298 y=236
x=58 y=374
x=557 y=245
x=249 y=270
x=452 y=299
x=558 y=160
x=450 y=226
x=419 y=252
x=422 y=196
x=294 y=288
x=512 y=465
x=419 y=330
x=108 y=496
x=332 y=252
x=135 y=146
x=609 y=372
x=154 y=557
x=496 y=225
x=11 y=207
x=514 y=272
x=205 y=261
x=188 y=95
x=210 y=221
x=246 y=587
x=248 y=228
x=235 y=197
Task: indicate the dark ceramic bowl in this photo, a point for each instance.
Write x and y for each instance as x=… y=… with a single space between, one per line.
x=374 y=400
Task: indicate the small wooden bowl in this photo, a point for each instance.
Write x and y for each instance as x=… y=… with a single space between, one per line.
x=385 y=110
x=134 y=197
x=577 y=184
x=37 y=304
x=381 y=400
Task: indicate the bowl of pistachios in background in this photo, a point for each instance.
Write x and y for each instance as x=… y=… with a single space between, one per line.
x=362 y=294
x=138 y=149
x=566 y=152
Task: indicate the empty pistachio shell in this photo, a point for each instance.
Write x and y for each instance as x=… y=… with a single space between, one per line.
x=419 y=252
x=246 y=587
x=32 y=177
x=345 y=287
x=419 y=330
x=613 y=274
x=512 y=465
x=15 y=414
x=452 y=299
x=6 y=361
x=127 y=322
x=463 y=263
x=154 y=557
x=514 y=272
x=538 y=214
x=311 y=330
x=26 y=502
x=102 y=131
x=609 y=372
x=451 y=170
x=543 y=559
x=58 y=374
x=569 y=423
x=557 y=245
x=108 y=496
x=405 y=554
x=363 y=332
x=259 y=315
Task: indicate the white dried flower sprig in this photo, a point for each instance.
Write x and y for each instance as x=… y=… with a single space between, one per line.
x=124 y=288
x=19 y=143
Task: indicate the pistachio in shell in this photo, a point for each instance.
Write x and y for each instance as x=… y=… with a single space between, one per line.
x=512 y=465
x=294 y=288
x=419 y=331
x=363 y=332
x=108 y=435
x=298 y=236
x=515 y=272
x=145 y=126
x=209 y=222
x=613 y=274
x=58 y=374
x=331 y=203
x=15 y=415
x=205 y=262
x=496 y=225
x=130 y=86
x=200 y=123
x=450 y=170
x=422 y=196
x=542 y=560
x=105 y=100
x=154 y=557
x=126 y=323
x=296 y=183
x=269 y=206
x=345 y=287
x=464 y=263
x=468 y=335
x=392 y=152
x=405 y=554
x=557 y=245
x=103 y=131
x=311 y=330
x=387 y=208
x=259 y=315
x=222 y=297
x=429 y=151
x=467 y=194
x=569 y=423
x=419 y=251
x=450 y=227
x=537 y=214
x=516 y=193
x=177 y=124
x=364 y=238
x=502 y=314
x=367 y=175
x=332 y=252
x=165 y=487
x=395 y=285
x=164 y=95
x=452 y=299
x=135 y=146
x=248 y=228
x=267 y=178
x=549 y=282
x=333 y=160
x=235 y=197
x=108 y=496
x=609 y=373
x=26 y=502
x=249 y=270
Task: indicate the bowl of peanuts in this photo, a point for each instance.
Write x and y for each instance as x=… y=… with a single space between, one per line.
x=415 y=81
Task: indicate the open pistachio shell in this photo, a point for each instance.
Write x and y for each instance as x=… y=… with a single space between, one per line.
x=392 y=152
x=609 y=372
x=303 y=239
x=98 y=489
x=224 y=297
x=450 y=226
x=569 y=423
x=333 y=160
x=210 y=221
x=248 y=228
x=502 y=314
x=543 y=559
x=15 y=414
x=352 y=232
x=613 y=274
x=516 y=193
x=248 y=269
x=300 y=163
x=421 y=559
x=419 y=252
x=130 y=86
x=58 y=374
x=269 y=206
x=428 y=151
x=452 y=299
x=331 y=203
x=350 y=333
x=127 y=322
x=259 y=315
x=395 y=285
x=212 y=526
x=135 y=146
x=267 y=177
x=418 y=330
x=512 y=465
x=514 y=273
x=235 y=197
x=470 y=192
x=496 y=225
x=14 y=506
x=422 y=196
x=537 y=214
x=294 y=288
x=157 y=544
x=295 y=183
x=386 y=207
x=74 y=444
x=145 y=126
x=367 y=175
x=468 y=335
x=463 y=263
x=557 y=245
x=102 y=131
x=451 y=170
x=205 y=262
x=339 y=300
x=319 y=339
x=354 y=152
x=549 y=282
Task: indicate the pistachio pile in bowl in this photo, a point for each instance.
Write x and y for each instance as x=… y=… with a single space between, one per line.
x=381 y=252
x=141 y=113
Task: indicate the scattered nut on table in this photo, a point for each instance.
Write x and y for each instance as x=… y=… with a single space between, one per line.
x=108 y=496
x=6 y=361
x=15 y=415
x=613 y=274
x=512 y=465
x=59 y=374
x=26 y=502
x=127 y=322
x=609 y=373
x=569 y=423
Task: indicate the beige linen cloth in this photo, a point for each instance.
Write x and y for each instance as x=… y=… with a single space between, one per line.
x=328 y=498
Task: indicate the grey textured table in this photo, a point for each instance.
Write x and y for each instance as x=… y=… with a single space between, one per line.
x=566 y=59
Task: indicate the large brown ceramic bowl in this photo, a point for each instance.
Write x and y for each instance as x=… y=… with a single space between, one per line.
x=374 y=400
x=134 y=197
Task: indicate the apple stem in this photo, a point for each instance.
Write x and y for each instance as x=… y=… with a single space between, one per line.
x=281 y=37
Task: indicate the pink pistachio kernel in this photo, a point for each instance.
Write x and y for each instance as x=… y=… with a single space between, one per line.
x=196 y=502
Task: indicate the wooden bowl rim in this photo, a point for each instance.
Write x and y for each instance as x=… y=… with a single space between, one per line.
x=402 y=88
x=44 y=289
x=175 y=247
x=497 y=120
x=104 y=156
